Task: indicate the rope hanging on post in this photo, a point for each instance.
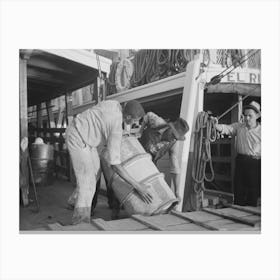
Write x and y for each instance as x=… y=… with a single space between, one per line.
x=205 y=133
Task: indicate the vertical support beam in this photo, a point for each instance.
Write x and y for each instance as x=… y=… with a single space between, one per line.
x=79 y=97
x=99 y=90
x=23 y=97
x=24 y=180
x=95 y=90
x=69 y=118
x=68 y=108
x=39 y=118
x=240 y=107
x=58 y=146
x=236 y=115
x=51 y=122
x=189 y=107
x=103 y=89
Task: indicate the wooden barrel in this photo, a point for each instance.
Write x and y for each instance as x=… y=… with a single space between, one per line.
x=42 y=161
x=139 y=165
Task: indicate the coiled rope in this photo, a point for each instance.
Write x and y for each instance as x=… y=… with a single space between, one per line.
x=154 y=64
x=204 y=133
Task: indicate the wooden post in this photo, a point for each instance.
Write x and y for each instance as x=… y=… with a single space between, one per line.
x=51 y=122
x=99 y=90
x=24 y=185
x=39 y=119
x=69 y=118
x=68 y=108
x=236 y=114
x=96 y=90
x=189 y=107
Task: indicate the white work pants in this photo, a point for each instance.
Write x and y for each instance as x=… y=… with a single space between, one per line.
x=86 y=165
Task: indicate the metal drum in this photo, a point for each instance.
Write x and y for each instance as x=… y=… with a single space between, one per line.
x=42 y=161
x=140 y=166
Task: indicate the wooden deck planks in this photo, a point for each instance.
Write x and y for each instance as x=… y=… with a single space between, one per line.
x=226 y=219
x=201 y=216
x=193 y=220
x=248 y=209
x=151 y=224
x=166 y=220
x=79 y=227
x=185 y=227
x=127 y=224
x=228 y=213
x=231 y=211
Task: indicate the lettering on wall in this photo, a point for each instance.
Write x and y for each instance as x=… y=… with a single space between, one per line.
x=242 y=77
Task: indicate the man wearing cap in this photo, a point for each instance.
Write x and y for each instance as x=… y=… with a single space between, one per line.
x=247 y=177
x=90 y=132
x=160 y=137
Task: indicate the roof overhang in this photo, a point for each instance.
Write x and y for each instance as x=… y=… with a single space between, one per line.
x=52 y=73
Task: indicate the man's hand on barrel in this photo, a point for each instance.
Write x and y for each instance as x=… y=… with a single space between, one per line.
x=139 y=188
x=143 y=193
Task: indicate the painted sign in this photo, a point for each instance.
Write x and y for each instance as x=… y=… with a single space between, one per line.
x=248 y=76
x=243 y=77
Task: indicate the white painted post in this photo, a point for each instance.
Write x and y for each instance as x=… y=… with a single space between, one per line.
x=189 y=109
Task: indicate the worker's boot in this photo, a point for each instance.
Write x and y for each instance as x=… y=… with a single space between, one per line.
x=81 y=215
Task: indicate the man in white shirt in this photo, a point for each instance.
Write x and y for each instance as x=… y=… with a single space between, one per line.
x=247 y=177
x=90 y=132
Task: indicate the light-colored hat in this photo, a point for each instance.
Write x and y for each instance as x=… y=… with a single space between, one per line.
x=38 y=141
x=179 y=128
x=254 y=106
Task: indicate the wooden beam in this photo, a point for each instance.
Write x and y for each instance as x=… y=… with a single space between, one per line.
x=83 y=57
x=51 y=122
x=53 y=130
x=192 y=220
x=189 y=107
x=43 y=77
x=145 y=221
x=156 y=90
x=23 y=128
x=236 y=114
x=69 y=86
x=50 y=114
x=241 y=220
x=248 y=209
x=47 y=65
x=39 y=119
x=69 y=118
x=23 y=98
x=68 y=107
x=26 y=53
x=102 y=225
